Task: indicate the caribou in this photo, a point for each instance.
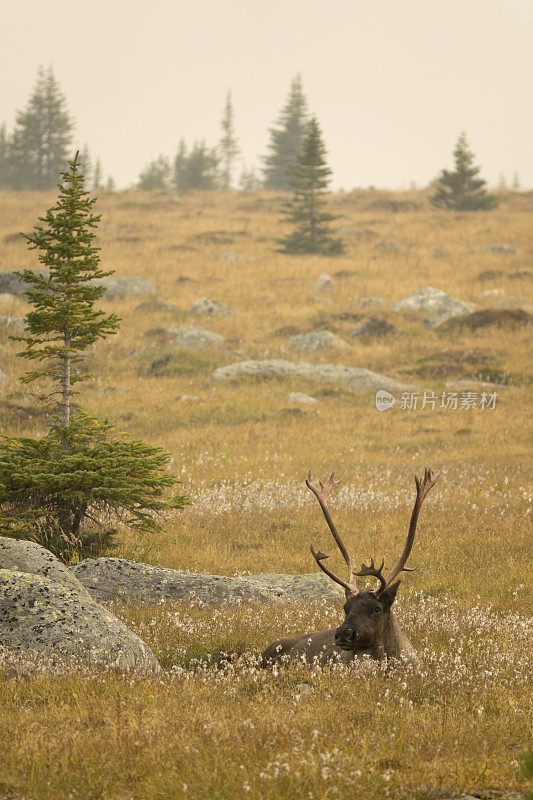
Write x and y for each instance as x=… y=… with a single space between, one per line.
x=369 y=628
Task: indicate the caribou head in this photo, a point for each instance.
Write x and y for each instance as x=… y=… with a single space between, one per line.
x=368 y=627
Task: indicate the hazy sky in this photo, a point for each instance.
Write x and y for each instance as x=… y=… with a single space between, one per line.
x=392 y=82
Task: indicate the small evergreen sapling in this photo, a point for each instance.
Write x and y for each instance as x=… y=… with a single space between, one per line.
x=462 y=189
x=306 y=210
x=70 y=488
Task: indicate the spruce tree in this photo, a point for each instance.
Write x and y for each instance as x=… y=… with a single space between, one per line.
x=286 y=139
x=4 y=158
x=306 y=210
x=97 y=175
x=228 y=147
x=462 y=189
x=197 y=169
x=41 y=137
x=155 y=176
x=68 y=489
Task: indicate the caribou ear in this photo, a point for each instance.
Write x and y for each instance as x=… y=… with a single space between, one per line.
x=389 y=595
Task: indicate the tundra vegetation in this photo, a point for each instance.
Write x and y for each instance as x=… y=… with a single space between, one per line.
x=218 y=726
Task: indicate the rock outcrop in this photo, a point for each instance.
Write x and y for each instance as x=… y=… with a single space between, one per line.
x=20 y=555
x=356 y=378
x=59 y=629
x=436 y=304
x=316 y=340
x=118 y=579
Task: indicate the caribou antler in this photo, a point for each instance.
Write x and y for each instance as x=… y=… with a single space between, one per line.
x=423 y=488
x=321 y=495
x=375 y=572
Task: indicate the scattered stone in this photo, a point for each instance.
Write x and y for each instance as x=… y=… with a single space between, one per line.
x=12 y=284
x=61 y=628
x=124 y=287
x=21 y=555
x=434 y=302
x=324 y=283
x=232 y=256
x=18 y=324
x=391 y=247
x=300 y=397
x=8 y=299
x=211 y=308
x=155 y=305
x=502 y=248
x=521 y=274
x=193 y=337
x=316 y=340
x=369 y=302
x=502 y=317
x=110 y=579
x=490 y=275
x=356 y=378
x=373 y=328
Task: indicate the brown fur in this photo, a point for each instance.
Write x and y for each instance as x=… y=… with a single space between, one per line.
x=369 y=629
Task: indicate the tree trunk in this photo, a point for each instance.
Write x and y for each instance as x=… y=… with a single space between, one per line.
x=65 y=401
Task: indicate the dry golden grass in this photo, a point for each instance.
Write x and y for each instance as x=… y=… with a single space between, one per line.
x=460 y=721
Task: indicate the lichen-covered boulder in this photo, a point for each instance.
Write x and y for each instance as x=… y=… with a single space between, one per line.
x=124 y=287
x=111 y=579
x=316 y=340
x=119 y=579
x=20 y=555
x=204 y=305
x=58 y=628
x=194 y=338
x=313 y=588
x=356 y=378
x=438 y=305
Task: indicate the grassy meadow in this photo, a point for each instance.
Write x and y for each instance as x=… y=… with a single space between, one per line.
x=214 y=725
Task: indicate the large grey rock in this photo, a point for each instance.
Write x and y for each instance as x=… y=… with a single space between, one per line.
x=117 y=579
x=115 y=287
x=324 y=283
x=12 y=284
x=23 y=556
x=155 y=305
x=124 y=287
x=316 y=340
x=194 y=337
x=204 y=305
x=357 y=378
x=56 y=626
x=438 y=305
x=17 y=324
